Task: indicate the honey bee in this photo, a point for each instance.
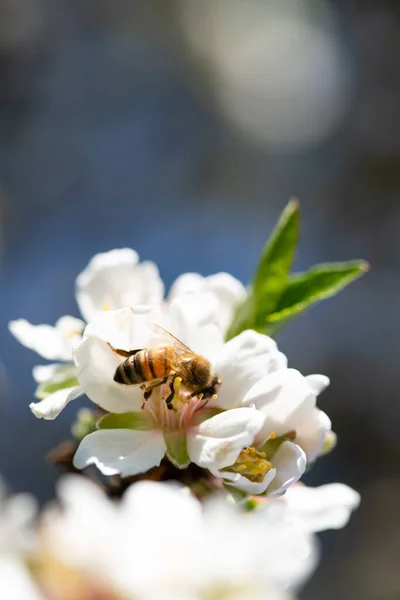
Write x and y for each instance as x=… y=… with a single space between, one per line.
x=163 y=364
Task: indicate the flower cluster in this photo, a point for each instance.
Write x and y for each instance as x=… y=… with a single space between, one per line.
x=256 y=431
x=160 y=543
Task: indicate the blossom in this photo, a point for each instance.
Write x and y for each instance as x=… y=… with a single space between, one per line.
x=159 y=542
x=111 y=280
x=147 y=430
x=16 y=542
x=229 y=435
x=292 y=434
x=116 y=279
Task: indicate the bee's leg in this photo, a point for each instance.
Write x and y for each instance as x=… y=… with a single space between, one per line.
x=174 y=386
x=149 y=389
x=125 y=353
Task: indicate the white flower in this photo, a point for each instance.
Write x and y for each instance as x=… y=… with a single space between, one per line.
x=52 y=343
x=111 y=280
x=228 y=291
x=159 y=543
x=292 y=434
x=175 y=432
x=16 y=540
x=116 y=279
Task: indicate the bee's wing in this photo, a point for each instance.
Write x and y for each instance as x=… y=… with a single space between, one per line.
x=177 y=344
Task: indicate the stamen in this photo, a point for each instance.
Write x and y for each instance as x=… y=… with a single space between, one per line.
x=252 y=464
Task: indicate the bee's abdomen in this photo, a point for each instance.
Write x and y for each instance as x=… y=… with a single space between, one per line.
x=130 y=372
x=145 y=365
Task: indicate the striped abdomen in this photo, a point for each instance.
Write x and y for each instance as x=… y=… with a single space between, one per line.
x=146 y=365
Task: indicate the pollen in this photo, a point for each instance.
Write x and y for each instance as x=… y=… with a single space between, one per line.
x=252 y=464
x=177 y=386
x=106 y=307
x=272 y=435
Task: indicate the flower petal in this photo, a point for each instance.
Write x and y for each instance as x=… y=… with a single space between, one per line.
x=122 y=451
x=312 y=433
x=187 y=283
x=194 y=320
x=290 y=463
x=317 y=383
x=42 y=373
x=53 y=343
x=50 y=407
x=242 y=483
x=227 y=290
x=217 y=442
x=115 y=279
x=127 y=328
x=97 y=363
x=161 y=501
x=285 y=399
x=242 y=362
x=230 y=291
x=325 y=507
x=188 y=313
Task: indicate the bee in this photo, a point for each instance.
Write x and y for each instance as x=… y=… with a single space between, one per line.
x=163 y=364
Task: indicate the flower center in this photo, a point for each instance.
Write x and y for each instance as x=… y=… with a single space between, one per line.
x=180 y=412
x=252 y=464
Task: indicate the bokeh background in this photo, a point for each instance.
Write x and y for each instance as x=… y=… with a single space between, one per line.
x=181 y=129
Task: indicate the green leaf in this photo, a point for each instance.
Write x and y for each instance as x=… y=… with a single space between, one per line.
x=177 y=448
x=140 y=421
x=306 y=289
x=276 y=260
x=49 y=387
x=272 y=273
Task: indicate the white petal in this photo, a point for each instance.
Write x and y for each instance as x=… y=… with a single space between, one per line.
x=243 y=361
x=42 y=373
x=242 y=483
x=126 y=328
x=113 y=280
x=290 y=463
x=16 y=581
x=325 y=507
x=187 y=283
x=122 y=451
x=230 y=292
x=162 y=501
x=227 y=290
x=97 y=363
x=217 y=442
x=50 y=342
x=52 y=405
x=311 y=434
x=285 y=399
x=190 y=312
x=317 y=383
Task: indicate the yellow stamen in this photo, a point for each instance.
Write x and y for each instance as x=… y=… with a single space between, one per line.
x=252 y=464
x=272 y=436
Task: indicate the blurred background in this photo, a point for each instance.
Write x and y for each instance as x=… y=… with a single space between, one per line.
x=181 y=129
